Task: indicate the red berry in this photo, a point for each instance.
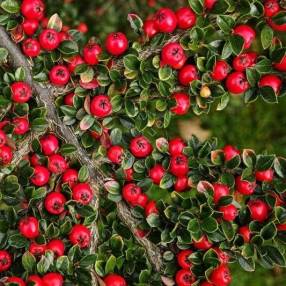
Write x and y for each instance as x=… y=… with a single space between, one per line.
x=173 y=55
x=6 y=155
x=258 y=210
x=59 y=75
x=281 y=227
x=247 y=33
x=203 y=243
x=237 y=83
x=185 y=277
x=221 y=276
x=149 y=28
x=142 y=200
x=209 y=4
x=186 y=18
x=82 y=193
x=21 y=92
x=220 y=70
x=281 y=66
x=31 y=48
x=16 y=281
x=80 y=235
x=74 y=62
x=29 y=227
x=140 y=147
x=140 y=233
x=57 y=164
x=36 y=279
x=244 y=187
x=131 y=192
x=220 y=191
x=229 y=213
x=176 y=146
x=68 y=99
x=37 y=249
x=187 y=74
x=157 y=173
x=206 y=283
x=82 y=27
x=116 y=44
x=70 y=176
x=41 y=176
x=100 y=106
x=271 y=8
x=57 y=246
x=114 y=280
x=183 y=103
x=3 y=138
x=181 y=184
x=49 y=144
x=273 y=81
x=222 y=256
x=230 y=152
x=183 y=259
x=151 y=208
x=53 y=279
x=179 y=165
x=264 y=176
x=33 y=9
x=49 y=39
x=243 y=61
x=276 y=27
x=128 y=174
x=64 y=36
x=165 y=20
x=115 y=154
x=5 y=260
x=55 y=203
x=91 y=53
x=30 y=26
x=21 y=125
x=244 y=231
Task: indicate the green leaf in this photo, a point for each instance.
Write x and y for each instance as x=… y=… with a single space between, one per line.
x=225 y=23
x=264 y=162
x=67 y=149
x=197 y=6
x=69 y=48
x=88 y=260
x=268 y=231
x=209 y=224
x=165 y=73
x=10 y=6
x=136 y=22
x=166 y=182
x=266 y=37
x=280 y=18
x=83 y=174
x=110 y=264
x=275 y=255
x=86 y=122
x=236 y=43
x=17 y=241
x=28 y=261
x=247 y=264
x=131 y=62
x=268 y=94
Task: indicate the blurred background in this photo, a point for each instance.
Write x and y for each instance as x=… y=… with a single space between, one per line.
x=258 y=126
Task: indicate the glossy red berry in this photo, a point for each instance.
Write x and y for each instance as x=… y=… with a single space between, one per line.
x=142 y=200
x=100 y=106
x=243 y=61
x=21 y=125
x=57 y=246
x=33 y=9
x=220 y=191
x=149 y=28
x=140 y=147
x=31 y=48
x=156 y=174
x=80 y=235
x=16 y=281
x=3 y=138
x=222 y=255
x=281 y=227
x=59 y=75
x=221 y=276
x=244 y=187
x=183 y=103
x=21 y=92
x=30 y=26
x=82 y=193
x=209 y=4
x=179 y=165
x=6 y=155
x=116 y=44
x=128 y=174
x=55 y=203
x=220 y=70
x=264 y=176
x=173 y=55
x=74 y=62
x=203 y=243
x=41 y=176
x=188 y=74
x=181 y=184
x=151 y=208
x=183 y=259
x=176 y=146
x=82 y=27
x=29 y=227
x=49 y=39
x=5 y=260
x=37 y=249
x=165 y=20
x=247 y=33
x=91 y=53
x=281 y=66
x=229 y=212
x=131 y=192
x=115 y=154
x=70 y=176
x=206 y=283
x=245 y=232
x=237 y=83
x=36 y=279
x=230 y=152
x=49 y=144
x=57 y=164
x=276 y=27
x=68 y=99
x=186 y=18
x=185 y=277
x=53 y=279
x=114 y=280
x=258 y=210
x=271 y=8
x=272 y=81
x=140 y=233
